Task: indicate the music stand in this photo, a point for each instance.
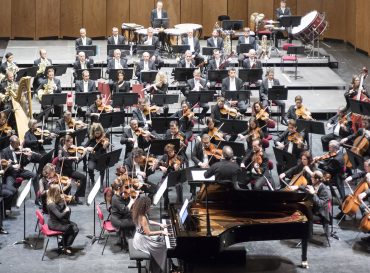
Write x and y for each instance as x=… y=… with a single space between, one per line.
x=285 y=159
x=20 y=200
x=182 y=74
x=160 y=23
x=92 y=48
x=295 y=50
x=114 y=119
x=356 y=160
x=180 y=49
x=157 y=145
x=234 y=126
x=54 y=99
x=140 y=49
x=238 y=147
x=124 y=53
x=79 y=135
x=127 y=71
x=30 y=71
x=106 y=161
x=290 y=21
x=88 y=53
x=217 y=75
x=121 y=47
x=148 y=76
x=244 y=48
x=278 y=92
x=208 y=51
x=250 y=75
x=311 y=127
x=164 y=99
x=95 y=73
x=160 y=124
x=4 y=142
x=86 y=99
x=243 y=95
x=359 y=107
x=124 y=99
x=59 y=70
x=232 y=24
x=200 y=96
x=91 y=199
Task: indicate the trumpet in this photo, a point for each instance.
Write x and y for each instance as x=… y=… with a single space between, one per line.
x=48 y=89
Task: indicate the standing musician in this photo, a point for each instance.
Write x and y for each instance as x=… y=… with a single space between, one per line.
x=134 y=137
x=298 y=111
x=83 y=62
x=186 y=117
x=246 y=39
x=253 y=132
x=215 y=134
x=158 y=13
x=83 y=40
x=252 y=62
x=67 y=156
x=59 y=218
x=41 y=63
x=145 y=64
x=116 y=39
x=152 y=40
x=215 y=40
x=9 y=65
x=121 y=85
x=36 y=137
x=117 y=62
x=283 y=10
x=268 y=83
x=85 y=85
x=301 y=173
x=353 y=93
x=188 y=61
x=97 y=145
x=194 y=46
x=341 y=125
x=257 y=166
x=233 y=83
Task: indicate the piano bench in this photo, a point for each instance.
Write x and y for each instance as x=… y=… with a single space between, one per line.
x=138 y=256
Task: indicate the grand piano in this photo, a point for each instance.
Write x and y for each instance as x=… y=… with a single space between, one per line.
x=236 y=216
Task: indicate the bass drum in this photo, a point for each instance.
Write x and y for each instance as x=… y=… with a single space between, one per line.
x=312 y=25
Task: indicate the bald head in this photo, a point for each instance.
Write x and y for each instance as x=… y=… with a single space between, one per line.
x=227 y=152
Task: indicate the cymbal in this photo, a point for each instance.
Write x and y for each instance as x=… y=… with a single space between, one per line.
x=269 y=26
x=270 y=22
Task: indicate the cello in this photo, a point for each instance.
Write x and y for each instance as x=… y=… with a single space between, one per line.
x=351 y=203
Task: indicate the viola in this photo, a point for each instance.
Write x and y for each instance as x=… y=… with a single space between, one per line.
x=211 y=150
x=216 y=134
x=296 y=138
x=141 y=132
x=178 y=135
x=257 y=159
x=187 y=114
x=74 y=149
x=229 y=111
x=76 y=124
x=151 y=109
x=302 y=112
x=45 y=133
x=262 y=115
x=174 y=161
x=63 y=180
x=326 y=156
x=105 y=108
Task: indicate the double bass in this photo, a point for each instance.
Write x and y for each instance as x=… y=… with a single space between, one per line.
x=351 y=203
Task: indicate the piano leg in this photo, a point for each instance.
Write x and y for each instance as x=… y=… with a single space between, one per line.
x=304 y=263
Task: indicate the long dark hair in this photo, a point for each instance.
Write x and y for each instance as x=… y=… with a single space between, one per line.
x=140 y=208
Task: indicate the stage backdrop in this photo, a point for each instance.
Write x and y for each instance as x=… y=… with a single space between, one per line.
x=37 y=19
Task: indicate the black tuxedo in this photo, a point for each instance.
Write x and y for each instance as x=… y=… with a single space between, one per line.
x=78 y=42
x=283 y=138
x=38 y=61
x=111 y=64
x=226 y=84
x=220 y=43
x=155 y=43
x=139 y=116
x=91 y=86
x=89 y=63
x=140 y=67
x=130 y=145
x=154 y=15
x=223 y=170
x=212 y=65
x=252 y=41
x=247 y=63
x=57 y=83
x=120 y=40
x=279 y=12
x=182 y=63
x=196 y=44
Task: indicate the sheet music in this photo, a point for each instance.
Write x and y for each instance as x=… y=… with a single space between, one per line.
x=94 y=191
x=160 y=192
x=198 y=175
x=24 y=193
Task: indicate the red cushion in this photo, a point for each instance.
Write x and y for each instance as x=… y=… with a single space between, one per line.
x=107 y=225
x=269 y=137
x=286 y=46
x=48 y=232
x=289 y=58
x=271 y=165
x=18 y=180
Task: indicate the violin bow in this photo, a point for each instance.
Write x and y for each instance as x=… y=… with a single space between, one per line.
x=209 y=160
x=147 y=157
x=59 y=181
x=218 y=130
x=42 y=127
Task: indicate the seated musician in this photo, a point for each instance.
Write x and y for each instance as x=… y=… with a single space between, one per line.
x=253 y=132
x=186 y=117
x=353 y=93
x=303 y=171
x=175 y=133
x=117 y=62
x=215 y=134
x=9 y=65
x=41 y=63
x=93 y=111
x=215 y=40
x=145 y=64
x=6 y=130
x=121 y=85
x=246 y=39
x=252 y=62
x=138 y=114
x=226 y=169
x=262 y=117
x=121 y=212
x=222 y=111
x=187 y=61
x=341 y=125
x=193 y=42
x=83 y=40
x=67 y=157
x=35 y=138
x=85 y=85
x=151 y=40
x=116 y=39
x=18 y=158
x=158 y=13
x=83 y=62
x=264 y=49
x=6 y=105
x=63 y=127
x=268 y=83
x=256 y=164
x=217 y=62
x=133 y=138
x=298 y=111
x=160 y=85
x=233 y=83
x=170 y=162
x=198 y=84
x=199 y=156
x=97 y=145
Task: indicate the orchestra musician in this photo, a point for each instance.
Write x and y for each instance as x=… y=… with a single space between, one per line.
x=65 y=166
x=214 y=132
x=217 y=63
x=5 y=130
x=9 y=65
x=341 y=125
x=159 y=13
x=93 y=111
x=187 y=61
x=6 y=105
x=253 y=132
x=121 y=85
x=175 y=133
x=198 y=84
x=83 y=62
x=222 y=111
x=264 y=49
x=117 y=62
x=298 y=111
x=160 y=85
x=194 y=44
x=132 y=138
x=261 y=116
x=59 y=218
x=97 y=145
x=246 y=39
x=116 y=39
x=41 y=63
x=268 y=83
x=85 y=85
x=138 y=114
x=256 y=165
x=145 y=64
x=35 y=138
x=215 y=40
x=198 y=155
x=233 y=83
x=283 y=10
x=186 y=117
x=252 y=62
x=83 y=40
x=355 y=89
x=62 y=127
x=151 y=40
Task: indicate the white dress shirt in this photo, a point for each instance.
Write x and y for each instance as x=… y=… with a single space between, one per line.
x=115 y=38
x=117 y=64
x=146 y=66
x=83 y=41
x=191 y=44
x=86 y=86
x=159 y=14
x=232 y=86
x=270 y=83
x=215 y=41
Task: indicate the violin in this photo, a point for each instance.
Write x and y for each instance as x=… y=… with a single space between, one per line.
x=151 y=109
x=45 y=133
x=262 y=115
x=6 y=129
x=4 y=164
x=257 y=159
x=75 y=124
x=211 y=150
x=74 y=149
x=105 y=108
x=302 y=112
x=141 y=132
x=174 y=161
x=255 y=133
x=229 y=111
x=187 y=114
x=216 y=134
x=351 y=203
x=296 y=138
x=179 y=136
x=64 y=180
x=326 y=156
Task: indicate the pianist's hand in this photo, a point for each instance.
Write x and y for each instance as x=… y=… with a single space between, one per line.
x=163 y=225
x=165 y=233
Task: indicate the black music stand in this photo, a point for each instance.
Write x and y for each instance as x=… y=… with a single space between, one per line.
x=160 y=124
x=194 y=97
x=278 y=92
x=251 y=75
x=86 y=99
x=285 y=159
x=232 y=24
x=356 y=160
x=157 y=145
x=120 y=47
x=244 y=48
x=127 y=71
x=95 y=73
x=114 y=119
x=148 y=76
x=290 y=21
x=164 y=99
x=238 y=147
x=160 y=23
x=234 y=126
x=359 y=107
x=106 y=161
x=79 y=135
x=92 y=48
x=59 y=70
x=242 y=95
x=88 y=54
x=124 y=99
x=180 y=49
x=208 y=51
x=183 y=74
x=30 y=71
x=311 y=127
x=124 y=54
x=4 y=142
x=217 y=75
x=140 y=49
x=53 y=100
x=296 y=50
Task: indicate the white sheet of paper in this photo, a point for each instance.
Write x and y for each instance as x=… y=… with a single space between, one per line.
x=160 y=192
x=198 y=175
x=94 y=191
x=24 y=193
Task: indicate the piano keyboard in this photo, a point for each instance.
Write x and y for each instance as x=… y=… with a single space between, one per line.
x=170 y=240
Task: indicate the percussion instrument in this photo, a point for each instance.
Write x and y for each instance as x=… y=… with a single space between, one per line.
x=128 y=31
x=197 y=29
x=270 y=22
x=174 y=35
x=141 y=33
x=313 y=24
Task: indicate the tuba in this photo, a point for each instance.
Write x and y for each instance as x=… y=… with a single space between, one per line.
x=46 y=90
